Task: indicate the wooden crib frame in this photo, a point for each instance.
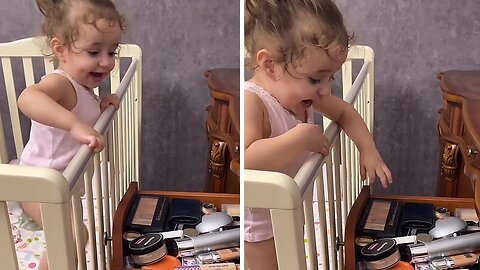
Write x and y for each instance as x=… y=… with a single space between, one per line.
x=106 y=175
x=335 y=177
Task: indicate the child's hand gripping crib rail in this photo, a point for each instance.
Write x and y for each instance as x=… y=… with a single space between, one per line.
x=291 y=200
x=106 y=180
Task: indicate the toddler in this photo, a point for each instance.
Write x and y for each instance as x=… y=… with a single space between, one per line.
x=295 y=47
x=83 y=36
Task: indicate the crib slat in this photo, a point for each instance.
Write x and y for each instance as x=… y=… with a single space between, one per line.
x=8 y=256
x=12 y=104
x=90 y=216
x=28 y=71
x=79 y=228
x=58 y=235
x=137 y=82
x=284 y=221
x=322 y=220
x=338 y=199
x=99 y=214
x=310 y=227
x=3 y=144
x=48 y=64
x=106 y=200
x=331 y=211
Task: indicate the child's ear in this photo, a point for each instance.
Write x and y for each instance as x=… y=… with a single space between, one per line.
x=58 y=48
x=266 y=61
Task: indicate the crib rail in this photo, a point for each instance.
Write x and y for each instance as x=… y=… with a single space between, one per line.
x=94 y=182
x=324 y=186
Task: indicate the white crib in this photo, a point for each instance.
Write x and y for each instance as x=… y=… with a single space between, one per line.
x=335 y=178
x=106 y=175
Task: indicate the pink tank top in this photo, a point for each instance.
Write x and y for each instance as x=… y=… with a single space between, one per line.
x=52 y=147
x=257 y=222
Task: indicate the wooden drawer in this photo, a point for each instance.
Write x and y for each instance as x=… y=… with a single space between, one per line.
x=358 y=208
x=122 y=211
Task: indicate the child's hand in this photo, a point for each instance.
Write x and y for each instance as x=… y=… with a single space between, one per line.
x=111 y=99
x=87 y=135
x=371 y=165
x=312 y=138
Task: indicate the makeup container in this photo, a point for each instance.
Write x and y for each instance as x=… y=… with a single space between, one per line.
x=128 y=236
x=147 y=249
x=401 y=265
x=167 y=263
x=442 y=212
x=454 y=261
x=208 y=208
x=380 y=254
x=216 y=256
x=361 y=241
x=422 y=252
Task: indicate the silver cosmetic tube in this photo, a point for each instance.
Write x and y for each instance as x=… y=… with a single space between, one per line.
x=210 y=241
x=422 y=252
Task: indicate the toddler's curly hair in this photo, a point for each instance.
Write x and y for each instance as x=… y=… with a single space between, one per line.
x=287 y=27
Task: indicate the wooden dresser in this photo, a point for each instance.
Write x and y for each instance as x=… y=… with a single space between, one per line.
x=459 y=132
x=223 y=131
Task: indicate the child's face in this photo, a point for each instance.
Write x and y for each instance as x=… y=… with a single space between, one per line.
x=92 y=56
x=300 y=87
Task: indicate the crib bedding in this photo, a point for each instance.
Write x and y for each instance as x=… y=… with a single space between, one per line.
x=29 y=239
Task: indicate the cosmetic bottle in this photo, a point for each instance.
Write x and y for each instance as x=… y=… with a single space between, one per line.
x=215 y=256
x=422 y=252
x=454 y=261
x=207 y=242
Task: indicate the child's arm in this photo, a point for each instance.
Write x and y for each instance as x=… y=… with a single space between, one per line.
x=41 y=102
x=351 y=122
x=273 y=154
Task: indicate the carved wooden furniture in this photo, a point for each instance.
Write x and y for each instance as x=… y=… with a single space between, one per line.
x=459 y=131
x=126 y=203
x=223 y=131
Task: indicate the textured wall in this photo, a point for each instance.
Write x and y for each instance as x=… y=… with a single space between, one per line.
x=181 y=39
x=413 y=40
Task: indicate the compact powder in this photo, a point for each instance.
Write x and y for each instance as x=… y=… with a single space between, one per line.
x=380 y=254
x=147 y=249
x=130 y=235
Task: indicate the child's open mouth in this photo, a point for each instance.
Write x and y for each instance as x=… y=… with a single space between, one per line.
x=96 y=75
x=307 y=103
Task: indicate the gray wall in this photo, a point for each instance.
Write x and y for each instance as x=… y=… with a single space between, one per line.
x=413 y=40
x=181 y=39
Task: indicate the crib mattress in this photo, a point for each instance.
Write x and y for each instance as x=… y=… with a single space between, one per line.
x=30 y=241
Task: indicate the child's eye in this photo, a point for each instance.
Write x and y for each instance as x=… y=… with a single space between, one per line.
x=93 y=53
x=112 y=53
x=313 y=81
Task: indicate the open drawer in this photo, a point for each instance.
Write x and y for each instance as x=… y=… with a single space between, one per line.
x=360 y=204
x=126 y=203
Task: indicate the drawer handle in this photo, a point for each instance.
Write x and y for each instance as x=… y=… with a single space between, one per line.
x=217 y=159
x=449 y=161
